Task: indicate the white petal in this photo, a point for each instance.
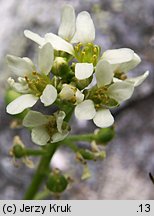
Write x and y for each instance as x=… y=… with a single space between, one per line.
x=139 y=79
x=118 y=56
x=19 y=87
x=67 y=25
x=79 y=96
x=49 y=95
x=34 y=37
x=21 y=103
x=40 y=136
x=127 y=66
x=59 y=120
x=85 y=30
x=121 y=91
x=104 y=73
x=34 y=119
x=59 y=137
x=20 y=66
x=103 y=118
x=83 y=70
x=85 y=110
x=45 y=58
x=59 y=44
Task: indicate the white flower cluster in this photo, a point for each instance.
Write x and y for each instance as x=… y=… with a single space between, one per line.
x=73 y=60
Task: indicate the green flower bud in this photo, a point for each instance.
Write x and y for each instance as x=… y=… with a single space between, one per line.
x=56 y=182
x=81 y=84
x=60 y=67
x=105 y=135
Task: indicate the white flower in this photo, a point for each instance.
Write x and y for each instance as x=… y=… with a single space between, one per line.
x=24 y=67
x=86 y=111
x=71 y=93
x=72 y=29
x=122 y=60
x=119 y=91
x=46 y=129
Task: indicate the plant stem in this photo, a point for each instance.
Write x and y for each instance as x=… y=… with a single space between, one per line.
x=41 y=172
x=42 y=195
x=34 y=152
x=81 y=137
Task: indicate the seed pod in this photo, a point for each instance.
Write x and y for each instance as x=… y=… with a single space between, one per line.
x=18 y=151
x=105 y=135
x=56 y=183
x=87 y=155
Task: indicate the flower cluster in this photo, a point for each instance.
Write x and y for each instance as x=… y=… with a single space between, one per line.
x=67 y=65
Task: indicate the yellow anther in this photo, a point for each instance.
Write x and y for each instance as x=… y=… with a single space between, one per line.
x=83 y=53
x=94 y=57
x=95 y=50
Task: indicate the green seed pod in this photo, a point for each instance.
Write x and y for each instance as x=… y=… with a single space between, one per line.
x=56 y=183
x=105 y=135
x=18 y=151
x=86 y=154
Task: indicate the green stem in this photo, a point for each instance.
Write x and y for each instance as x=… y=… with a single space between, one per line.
x=81 y=137
x=41 y=172
x=34 y=152
x=42 y=195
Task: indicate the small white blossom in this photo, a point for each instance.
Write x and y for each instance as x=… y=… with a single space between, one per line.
x=71 y=93
x=24 y=67
x=122 y=60
x=41 y=126
x=71 y=30
x=86 y=111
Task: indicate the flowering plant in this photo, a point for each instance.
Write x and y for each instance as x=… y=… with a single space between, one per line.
x=75 y=76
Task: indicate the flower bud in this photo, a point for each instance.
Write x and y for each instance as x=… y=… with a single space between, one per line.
x=60 y=67
x=56 y=182
x=81 y=84
x=105 y=135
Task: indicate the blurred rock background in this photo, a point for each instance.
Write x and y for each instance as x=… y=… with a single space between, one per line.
x=130 y=156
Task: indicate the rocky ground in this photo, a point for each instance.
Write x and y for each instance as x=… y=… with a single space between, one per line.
x=130 y=156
